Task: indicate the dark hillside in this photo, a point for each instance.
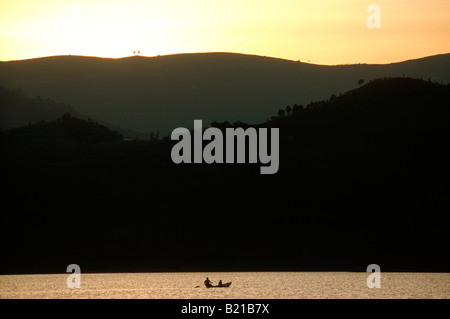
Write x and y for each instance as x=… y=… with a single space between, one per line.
x=16 y=109
x=363 y=178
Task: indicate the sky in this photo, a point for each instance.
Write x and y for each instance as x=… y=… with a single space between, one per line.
x=316 y=31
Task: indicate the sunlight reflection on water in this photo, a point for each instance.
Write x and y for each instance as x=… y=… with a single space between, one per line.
x=246 y=285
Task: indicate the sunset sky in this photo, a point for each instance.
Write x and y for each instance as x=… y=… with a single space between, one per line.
x=319 y=31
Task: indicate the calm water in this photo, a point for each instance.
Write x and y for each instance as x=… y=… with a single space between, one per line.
x=255 y=285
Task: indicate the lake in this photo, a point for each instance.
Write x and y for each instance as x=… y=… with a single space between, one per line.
x=246 y=285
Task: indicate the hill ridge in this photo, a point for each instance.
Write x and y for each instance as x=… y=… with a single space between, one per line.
x=224 y=53
x=162 y=93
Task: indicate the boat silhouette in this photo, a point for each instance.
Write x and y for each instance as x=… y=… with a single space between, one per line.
x=225 y=285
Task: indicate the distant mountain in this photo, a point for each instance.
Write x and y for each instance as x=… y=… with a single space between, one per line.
x=162 y=93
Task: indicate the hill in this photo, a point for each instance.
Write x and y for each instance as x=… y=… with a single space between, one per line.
x=17 y=109
x=161 y=93
x=363 y=179
x=65 y=130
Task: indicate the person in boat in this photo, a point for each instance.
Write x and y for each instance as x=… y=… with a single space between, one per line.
x=220 y=282
x=207 y=282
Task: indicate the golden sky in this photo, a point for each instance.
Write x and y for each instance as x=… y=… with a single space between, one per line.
x=319 y=31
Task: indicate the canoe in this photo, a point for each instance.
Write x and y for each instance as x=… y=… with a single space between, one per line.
x=225 y=285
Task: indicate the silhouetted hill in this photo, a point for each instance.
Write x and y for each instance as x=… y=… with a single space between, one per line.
x=363 y=179
x=17 y=109
x=65 y=130
x=389 y=104
x=162 y=93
